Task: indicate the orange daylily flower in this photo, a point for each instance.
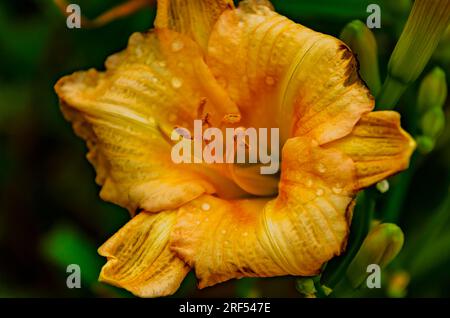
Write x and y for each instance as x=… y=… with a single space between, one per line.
x=242 y=67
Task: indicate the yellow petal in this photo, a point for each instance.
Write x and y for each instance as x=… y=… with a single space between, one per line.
x=127 y=113
x=378 y=146
x=139 y=258
x=282 y=74
x=291 y=235
x=194 y=18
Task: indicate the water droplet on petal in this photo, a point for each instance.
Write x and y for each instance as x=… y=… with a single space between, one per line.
x=270 y=80
x=177 y=45
x=176 y=82
x=205 y=206
x=321 y=168
x=319 y=192
x=337 y=188
x=309 y=183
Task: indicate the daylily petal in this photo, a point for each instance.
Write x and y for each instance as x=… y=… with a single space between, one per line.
x=139 y=258
x=127 y=113
x=194 y=18
x=294 y=234
x=282 y=74
x=378 y=146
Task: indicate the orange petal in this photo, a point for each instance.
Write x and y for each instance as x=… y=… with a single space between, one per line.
x=282 y=74
x=127 y=113
x=294 y=234
x=378 y=146
x=194 y=18
x=139 y=258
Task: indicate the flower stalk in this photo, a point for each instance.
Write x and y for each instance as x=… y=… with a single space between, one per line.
x=380 y=247
x=425 y=26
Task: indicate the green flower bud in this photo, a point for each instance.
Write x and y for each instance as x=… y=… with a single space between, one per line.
x=426 y=24
x=305 y=286
x=362 y=42
x=433 y=90
x=433 y=123
x=425 y=144
x=380 y=247
x=398 y=283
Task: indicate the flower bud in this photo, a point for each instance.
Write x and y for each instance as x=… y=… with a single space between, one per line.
x=362 y=42
x=433 y=90
x=426 y=24
x=380 y=247
x=425 y=144
x=305 y=286
x=433 y=123
x=398 y=283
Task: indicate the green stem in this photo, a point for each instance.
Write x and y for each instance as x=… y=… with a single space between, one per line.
x=360 y=227
x=320 y=292
x=390 y=93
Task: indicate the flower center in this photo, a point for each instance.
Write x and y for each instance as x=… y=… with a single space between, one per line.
x=248 y=156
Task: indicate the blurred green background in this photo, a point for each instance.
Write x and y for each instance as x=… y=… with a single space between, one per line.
x=50 y=212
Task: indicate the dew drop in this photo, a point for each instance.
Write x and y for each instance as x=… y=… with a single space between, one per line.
x=309 y=183
x=205 y=206
x=177 y=45
x=337 y=188
x=176 y=82
x=383 y=186
x=319 y=192
x=270 y=80
x=321 y=168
